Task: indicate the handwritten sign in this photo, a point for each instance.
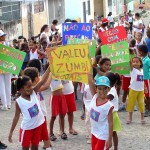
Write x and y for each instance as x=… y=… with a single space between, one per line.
x=119 y=55
x=76 y=30
x=11 y=59
x=92 y=44
x=113 y=35
x=71 y=62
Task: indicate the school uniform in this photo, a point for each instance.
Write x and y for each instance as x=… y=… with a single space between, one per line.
x=136 y=92
x=99 y=123
x=33 y=118
x=58 y=103
x=68 y=91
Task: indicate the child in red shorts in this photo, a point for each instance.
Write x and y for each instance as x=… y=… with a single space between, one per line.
x=58 y=106
x=33 y=118
x=33 y=73
x=68 y=91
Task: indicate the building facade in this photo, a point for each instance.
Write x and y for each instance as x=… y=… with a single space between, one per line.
x=10 y=17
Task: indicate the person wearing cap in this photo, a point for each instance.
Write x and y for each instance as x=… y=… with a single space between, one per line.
x=101 y=114
x=104 y=25
x=5 y=80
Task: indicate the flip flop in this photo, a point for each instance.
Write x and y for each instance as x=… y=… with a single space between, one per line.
x=73 y=132
x=64 y=136
x=52 y=137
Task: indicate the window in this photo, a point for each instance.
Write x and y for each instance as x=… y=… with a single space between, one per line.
x=89 y=8
x=38 y=7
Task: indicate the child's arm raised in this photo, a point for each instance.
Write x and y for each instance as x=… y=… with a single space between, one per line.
x=110 y=123
x=47 y=84
x=42 y=81
x=91 y=84
x=14 y=123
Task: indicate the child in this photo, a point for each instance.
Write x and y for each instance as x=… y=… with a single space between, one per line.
x=104 y=66
x=68 y=91
x=143 y=52
x=101 y=116
x=33 y=118
x=147 y=39
x=33 y=73
x=115 y=80
x=136 y=92
x=139 y=41
x=58 y=106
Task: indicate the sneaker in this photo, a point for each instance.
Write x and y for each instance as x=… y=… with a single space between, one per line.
x=147 y=113
x=4 y=108
x=135 y=108
x=9 y=106
x=88 y=141
x=2 y=145
x=122 y=108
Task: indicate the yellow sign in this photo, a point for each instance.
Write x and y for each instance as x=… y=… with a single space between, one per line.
x=71 y=62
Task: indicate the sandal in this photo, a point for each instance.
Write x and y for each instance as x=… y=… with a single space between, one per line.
x=64 y=136
x=143 y=122
x=52 y=137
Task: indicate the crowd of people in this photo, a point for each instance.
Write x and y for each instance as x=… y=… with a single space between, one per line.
x=100 y=96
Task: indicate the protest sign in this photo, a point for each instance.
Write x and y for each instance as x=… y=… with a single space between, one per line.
x=71 y=62
x=11 y=59
x=76 y=30
x=113 y=35
x=92 y=44
x=119 y=56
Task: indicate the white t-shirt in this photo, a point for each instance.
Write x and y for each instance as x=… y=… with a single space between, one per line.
x=137 y=23
x=68 y=87
x=115 y=100
x=110 y=18
x=99 y=118
x=130 y=19
x=137 y=81
x=138 y=44
x=47 y=37
x=42 y=103
x=87 y=96
x=56 y=85
x=31 y=111
x=33 y=55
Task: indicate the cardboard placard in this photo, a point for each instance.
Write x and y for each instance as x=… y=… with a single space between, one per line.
x=71 y=62
x=114 y=35
x=11 y=60
x=92 y=44
x=76 y=30
x=119 y=56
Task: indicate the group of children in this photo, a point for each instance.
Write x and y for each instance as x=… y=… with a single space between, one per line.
x=100 y=96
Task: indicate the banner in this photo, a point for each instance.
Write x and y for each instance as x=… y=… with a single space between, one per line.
x=119 y=56
x=11 y=59
x=92 y=44
x=76 y=30
x=113 y=35
x=71 y=62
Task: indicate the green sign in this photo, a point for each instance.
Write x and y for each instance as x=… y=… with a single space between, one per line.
x=119 y=56
x=92 y=44
x=11 y=59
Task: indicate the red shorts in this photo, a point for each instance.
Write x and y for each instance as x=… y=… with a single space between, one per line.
x=71 y=103
x=98 y=144
x=125 y=83
x=30 y=137
x=147 y=84
x=58 y=105
x=44 y=132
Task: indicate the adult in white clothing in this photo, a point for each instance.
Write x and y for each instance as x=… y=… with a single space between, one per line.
x=5 y=80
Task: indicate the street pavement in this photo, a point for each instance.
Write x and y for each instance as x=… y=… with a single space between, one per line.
x=133 y=137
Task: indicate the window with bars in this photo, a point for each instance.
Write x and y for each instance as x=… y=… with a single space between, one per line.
x=38 y=7
x=10 y=11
